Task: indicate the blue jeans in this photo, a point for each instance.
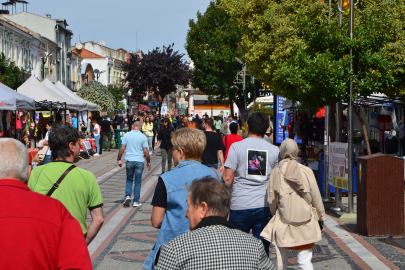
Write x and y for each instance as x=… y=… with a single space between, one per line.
x=47 y=159
x=215 y=166
x=97 y=141
x=134 y=167
x=252 y=220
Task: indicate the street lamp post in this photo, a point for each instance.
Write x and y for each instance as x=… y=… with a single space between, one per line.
x=242 y=74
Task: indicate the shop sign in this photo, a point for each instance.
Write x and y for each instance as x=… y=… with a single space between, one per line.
x=182 y=101
x=338 y=165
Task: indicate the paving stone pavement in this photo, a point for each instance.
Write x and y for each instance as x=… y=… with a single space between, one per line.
x=128 y=236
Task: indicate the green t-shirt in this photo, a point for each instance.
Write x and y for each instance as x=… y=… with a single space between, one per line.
x=78 y=192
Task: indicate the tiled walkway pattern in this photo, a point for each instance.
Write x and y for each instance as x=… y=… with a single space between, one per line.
x=127 y=235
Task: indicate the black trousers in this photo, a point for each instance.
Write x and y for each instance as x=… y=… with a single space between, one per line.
x=153 y=141
x=403 y=146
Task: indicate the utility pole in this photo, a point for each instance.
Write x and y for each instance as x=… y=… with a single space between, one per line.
x=338 y=191
x=350 y=133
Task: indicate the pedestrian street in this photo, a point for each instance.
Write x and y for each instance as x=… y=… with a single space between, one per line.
x=127 y=235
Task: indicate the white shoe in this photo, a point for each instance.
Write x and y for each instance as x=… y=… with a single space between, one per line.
x=136 y=204
x=127 y=201
x=95 y=155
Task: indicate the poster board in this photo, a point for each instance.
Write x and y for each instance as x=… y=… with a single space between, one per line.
x=338 y=165
x=278 y=129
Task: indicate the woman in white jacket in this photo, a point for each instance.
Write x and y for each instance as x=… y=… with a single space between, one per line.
x=296 y=205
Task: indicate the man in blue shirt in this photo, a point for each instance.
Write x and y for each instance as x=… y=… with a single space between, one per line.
x=135 y=145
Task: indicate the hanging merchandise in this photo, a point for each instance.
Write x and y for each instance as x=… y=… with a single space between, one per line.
x=385 y=122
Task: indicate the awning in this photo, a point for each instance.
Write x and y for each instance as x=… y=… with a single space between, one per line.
x=71 y=104
x=12 y=100
x=36 y=90
x=89 y=106
x=144 y=108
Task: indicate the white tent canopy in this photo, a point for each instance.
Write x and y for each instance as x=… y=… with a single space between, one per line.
x=71 y=103
x=64 y=89
x=11 y=100
x=36 y=90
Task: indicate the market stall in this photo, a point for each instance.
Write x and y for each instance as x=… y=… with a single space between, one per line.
x=64 y=89
x=71 y=103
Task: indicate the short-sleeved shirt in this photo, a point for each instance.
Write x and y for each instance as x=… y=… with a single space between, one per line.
x=253 y=159
x=228 y=140
x=74 y=121
x=214 y=144
x=78 y=191
x=96 y=133
x=105 y=126
x=134 y=142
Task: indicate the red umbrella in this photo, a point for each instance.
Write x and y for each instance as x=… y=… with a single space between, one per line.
x=144 y=108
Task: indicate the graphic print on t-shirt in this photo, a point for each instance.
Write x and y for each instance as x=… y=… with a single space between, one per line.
x=256 y=162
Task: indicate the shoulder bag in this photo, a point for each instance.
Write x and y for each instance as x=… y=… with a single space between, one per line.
x=57 y=183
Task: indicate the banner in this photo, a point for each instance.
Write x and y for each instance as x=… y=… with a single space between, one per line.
x=278 y=129
x=338 y=165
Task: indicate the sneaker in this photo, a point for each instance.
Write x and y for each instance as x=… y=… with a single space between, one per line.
x=136 y=204
x=95 y=155
x=127 y=201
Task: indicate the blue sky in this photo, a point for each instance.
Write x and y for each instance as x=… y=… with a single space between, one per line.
x=158 y=22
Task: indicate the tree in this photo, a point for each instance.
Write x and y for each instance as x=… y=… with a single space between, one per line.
x=119 y=93
x=158 y=72
x=212 y=43
x=97 y=93
x=10 y=74
x=292 y=46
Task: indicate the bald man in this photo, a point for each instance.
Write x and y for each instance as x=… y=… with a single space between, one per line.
x=41 y=230
x=135 y=146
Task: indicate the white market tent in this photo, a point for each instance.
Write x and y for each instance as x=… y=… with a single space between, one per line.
x=71 y=104
x=12 y=100
x=64 y=89
x=36 y=90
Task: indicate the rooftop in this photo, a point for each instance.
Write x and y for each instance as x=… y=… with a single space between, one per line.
x=83 y=53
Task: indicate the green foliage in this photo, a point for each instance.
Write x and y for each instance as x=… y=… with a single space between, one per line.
x=117 y=93
x=293 y=47
x=10 y=74
x=97 y=93
x=262 y=107
x=121 y=106
x=213 y=42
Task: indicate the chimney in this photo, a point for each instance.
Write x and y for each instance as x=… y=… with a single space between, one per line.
x=48 y=16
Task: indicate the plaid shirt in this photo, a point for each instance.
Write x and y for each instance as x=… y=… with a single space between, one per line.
x=214 y=244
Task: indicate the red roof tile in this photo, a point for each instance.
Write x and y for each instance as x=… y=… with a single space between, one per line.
x=83 y=53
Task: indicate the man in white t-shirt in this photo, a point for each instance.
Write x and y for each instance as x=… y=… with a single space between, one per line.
x=96 y=133
x=49 y=152
x=251 y=161
x=230 y=120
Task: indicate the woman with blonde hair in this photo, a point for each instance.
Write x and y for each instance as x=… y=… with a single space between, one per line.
x=147 y=129
x=169 y=200
x=296 y=205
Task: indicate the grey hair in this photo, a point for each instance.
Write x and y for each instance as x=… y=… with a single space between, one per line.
x=137 y=124
x=15 y=159
x=213 y=192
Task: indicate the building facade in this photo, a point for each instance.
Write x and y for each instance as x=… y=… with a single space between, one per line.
x=54 y=30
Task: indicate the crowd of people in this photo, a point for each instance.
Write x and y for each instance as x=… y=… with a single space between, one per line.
x=221 y=202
